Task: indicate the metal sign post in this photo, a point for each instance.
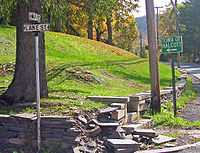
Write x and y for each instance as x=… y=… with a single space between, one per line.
x=37 y=68
x=173 y=83
x=172 y=45
x=37 y=28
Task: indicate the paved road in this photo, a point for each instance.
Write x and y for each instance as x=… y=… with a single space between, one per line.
x=192 y=69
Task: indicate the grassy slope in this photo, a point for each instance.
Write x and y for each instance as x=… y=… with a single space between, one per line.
x=118 y=73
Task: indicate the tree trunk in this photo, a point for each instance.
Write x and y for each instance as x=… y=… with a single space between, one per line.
x=110 y=30
x=58 y=26
x=90 y=27
x=98 y=34
x=23 y=86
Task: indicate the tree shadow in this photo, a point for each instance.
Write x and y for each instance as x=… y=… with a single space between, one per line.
x=139 y=78
x=57 y=70
x=68 y=91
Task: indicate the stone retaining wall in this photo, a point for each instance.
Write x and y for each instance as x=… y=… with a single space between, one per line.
x=16 y=132
x=140 y=102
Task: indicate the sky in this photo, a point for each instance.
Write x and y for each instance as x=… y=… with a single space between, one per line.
x=142 y=9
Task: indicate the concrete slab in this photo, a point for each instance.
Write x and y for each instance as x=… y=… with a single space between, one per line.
x=162 y=139
x=131 y=128
x=128 y=150
x=145 y=132
x=122 y=143
x=119 y=105
x=25 y=116
x=109 y=99
x=106 y=124
x=108 y=110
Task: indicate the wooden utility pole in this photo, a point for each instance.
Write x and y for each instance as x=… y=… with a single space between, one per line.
x=141 y=46
x=153 y=58
x=157 y=23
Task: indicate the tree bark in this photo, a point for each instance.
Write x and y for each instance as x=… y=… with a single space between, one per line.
x=110 y=30
x=90 y=27
x=23 y=86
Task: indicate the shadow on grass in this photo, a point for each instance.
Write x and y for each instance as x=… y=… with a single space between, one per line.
x=139 y=78
x=53 y=73
x=68 y=91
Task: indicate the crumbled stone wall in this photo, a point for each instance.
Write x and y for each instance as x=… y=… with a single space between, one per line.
x=18 y=133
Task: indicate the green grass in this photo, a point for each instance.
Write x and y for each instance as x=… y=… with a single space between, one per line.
x=166 y=117
x=112 y=71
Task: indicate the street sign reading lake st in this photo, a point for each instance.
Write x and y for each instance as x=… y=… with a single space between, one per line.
x=172 y=44
x=36 y=27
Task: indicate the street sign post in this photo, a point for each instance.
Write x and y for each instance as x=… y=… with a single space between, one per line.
x=172 y=45
x=37 y=28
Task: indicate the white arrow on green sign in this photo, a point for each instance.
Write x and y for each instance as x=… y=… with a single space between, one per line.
x=172 y=44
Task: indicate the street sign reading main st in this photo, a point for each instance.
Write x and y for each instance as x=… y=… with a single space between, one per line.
x=34 y=17
x=36 y=27
x=172 y=44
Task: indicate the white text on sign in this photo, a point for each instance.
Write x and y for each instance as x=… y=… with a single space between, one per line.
x=36 y=27
x=34 y=17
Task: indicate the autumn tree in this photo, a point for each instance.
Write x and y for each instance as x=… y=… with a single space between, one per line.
x=126 y=33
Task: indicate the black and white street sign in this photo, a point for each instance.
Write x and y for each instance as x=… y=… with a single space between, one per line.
x=36 y=27
x=34 y=17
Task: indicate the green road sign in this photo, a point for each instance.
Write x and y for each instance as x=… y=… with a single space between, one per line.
x=172 y=44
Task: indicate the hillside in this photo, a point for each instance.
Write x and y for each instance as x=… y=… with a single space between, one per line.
x=78 y=67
